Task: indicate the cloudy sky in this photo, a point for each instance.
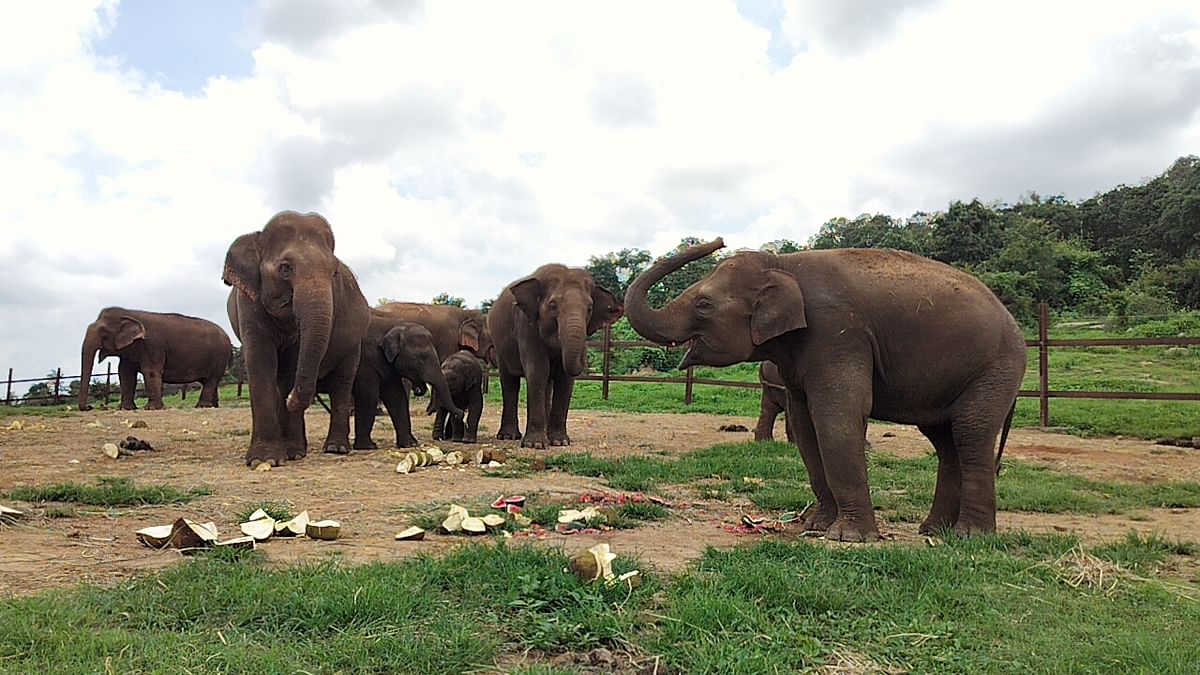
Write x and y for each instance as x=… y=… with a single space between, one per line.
x=455 y=146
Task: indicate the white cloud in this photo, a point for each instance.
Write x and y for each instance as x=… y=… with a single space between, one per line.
x=455 y=147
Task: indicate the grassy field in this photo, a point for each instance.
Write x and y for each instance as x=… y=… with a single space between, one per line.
x=1013 y=603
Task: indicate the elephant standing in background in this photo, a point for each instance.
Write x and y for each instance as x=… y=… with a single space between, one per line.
x=858 y=334
x=540 y=324
x=453 y=328
x=464 y=376
x=301 y=318
x=170 y=348
x=393 y=351
x=774 y=401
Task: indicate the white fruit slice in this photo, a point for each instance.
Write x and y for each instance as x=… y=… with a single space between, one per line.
x=155 y=536
x=493 y=520
x=260 y=529
x=294 y=527
x=413 y=533
x=473 y=525
x=325 y=530
x=240 y=543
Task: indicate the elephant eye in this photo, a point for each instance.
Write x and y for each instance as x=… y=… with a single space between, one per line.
x=704 y=305
x=285 y=270
x=552 y=306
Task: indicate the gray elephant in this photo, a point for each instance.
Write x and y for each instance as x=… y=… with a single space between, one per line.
x=774 y=401
x=394 y=351
x=540 y=326
x=858 y=334
x=163 y=348
x=463 y=372
x=301 y=318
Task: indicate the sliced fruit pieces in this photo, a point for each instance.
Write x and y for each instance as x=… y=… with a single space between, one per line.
x=6 y=512
x=294 y=527
x=493 y=520
x=452 y=458
x=239 y=543
x=575 y=515
x=325 y=530
x=473 y=525
x=155 y=536
x=260 y=529
x=594 y=563
x=187 y=535
x=413 y=533
x=259 y=514
x=112 y=450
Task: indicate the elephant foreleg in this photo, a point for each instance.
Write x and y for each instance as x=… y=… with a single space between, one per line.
x=767 y=411
x=948 y=493
x=340 y=383
x=474 y=412
x=127 y=374
x=564 y=388
x=824 y=512
x=537 y=380
x=395 y=399
x=839 y=403
x=366 y=400
x=510 y=391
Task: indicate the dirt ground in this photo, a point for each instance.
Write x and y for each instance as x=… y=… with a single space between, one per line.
x=363 y=491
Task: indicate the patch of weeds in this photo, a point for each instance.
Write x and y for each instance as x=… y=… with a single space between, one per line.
x=545 y=515
x=280 y=511
x=108 y=492
x=1136 y=550
x=644 y=511
x=515 y=467
x=61 y=512
x=239 y=431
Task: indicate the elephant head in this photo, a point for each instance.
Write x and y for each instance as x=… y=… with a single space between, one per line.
x=566 y=305
x=473 y=334
x=288 y=268
x=726 y=316
x=408 y=348
x=113 y=331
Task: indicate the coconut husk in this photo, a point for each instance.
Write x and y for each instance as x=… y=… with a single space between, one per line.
x=155 y=536
x=187 y=535
x=238 y=543
x=325 y=530
x=294 y=527
x=413 y=533
x=594 y=563
x=261 y=529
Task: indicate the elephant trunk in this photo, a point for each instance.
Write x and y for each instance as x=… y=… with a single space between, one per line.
x=441 y=392
x=91 y=345
x=572 y=336
x=314 y=312
x=671 y=324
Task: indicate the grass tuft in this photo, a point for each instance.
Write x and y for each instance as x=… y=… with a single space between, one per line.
x=108 y=492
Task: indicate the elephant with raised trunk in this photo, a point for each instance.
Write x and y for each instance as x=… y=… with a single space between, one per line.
x=163 y=348
x=394 y=351
x=301 y=318
x=858 y=334
x=540 y=324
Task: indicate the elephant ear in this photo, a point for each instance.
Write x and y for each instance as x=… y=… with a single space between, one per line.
x=528 y=293
x=605 y=309
x=242 y=263
x=128 y=332
x=778 y=307
x=391 y=343
x=468 y=334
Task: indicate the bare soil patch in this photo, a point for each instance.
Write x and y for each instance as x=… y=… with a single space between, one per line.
x=205 y=447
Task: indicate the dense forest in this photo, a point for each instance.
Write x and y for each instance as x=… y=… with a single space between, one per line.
x=1131 y=252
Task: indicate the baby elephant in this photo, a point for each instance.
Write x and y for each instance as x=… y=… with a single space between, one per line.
x=464 y=376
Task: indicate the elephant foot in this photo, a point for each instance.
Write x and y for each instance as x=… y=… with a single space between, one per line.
x=265 y=454
x=85 y=408
x=559 y=438
x=534 y=439
x=965 y=527
x=935 y=524
x=469 y=439
x=406 y=442
x=206 y=404
x=155 y=405
x=296 y=450
x=336 y=446
x=128 y=406
x=858 y=532
x=368 y=444
x=437 y=435
x=760 y=438
x=508 y=435
x=818 y=518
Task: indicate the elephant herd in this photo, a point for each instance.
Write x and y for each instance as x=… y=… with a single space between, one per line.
x=843 y=336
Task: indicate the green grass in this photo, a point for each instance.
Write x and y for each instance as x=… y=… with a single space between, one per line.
x=984 y=604
x=901 y=488
x=1136 y=551
x=277 y=510
x=107 y=492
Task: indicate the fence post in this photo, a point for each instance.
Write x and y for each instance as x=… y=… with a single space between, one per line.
x=607 y=361
x=57 y=383
x=108 y=383
x=1043 y=364
x=687 y=389
x=8 y=396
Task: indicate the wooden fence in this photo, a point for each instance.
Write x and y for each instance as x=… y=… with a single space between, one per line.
x=606 y=345
x=1043 y=344
x=58 y=393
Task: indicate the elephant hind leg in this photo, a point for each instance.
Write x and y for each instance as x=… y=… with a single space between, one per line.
x=948 y=493
x=977 y=418
x=208 y=392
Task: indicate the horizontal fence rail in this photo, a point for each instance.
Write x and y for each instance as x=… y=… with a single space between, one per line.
x=1043 y=343
x=58 y=393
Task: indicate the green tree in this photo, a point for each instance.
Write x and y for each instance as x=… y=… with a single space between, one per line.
x=676 y=282
x=615 y=270
x=444 y=298
x=966 y=234
x=485 y=305
x=782 y=246
x=871 y=231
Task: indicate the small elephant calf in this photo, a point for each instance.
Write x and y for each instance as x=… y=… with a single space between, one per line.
x=464 y=376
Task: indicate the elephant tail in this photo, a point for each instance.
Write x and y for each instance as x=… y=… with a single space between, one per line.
x=1004 y=434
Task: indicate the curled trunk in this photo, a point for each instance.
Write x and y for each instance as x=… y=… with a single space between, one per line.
x=671 y=324
x=314 y=312
x=91 y=345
